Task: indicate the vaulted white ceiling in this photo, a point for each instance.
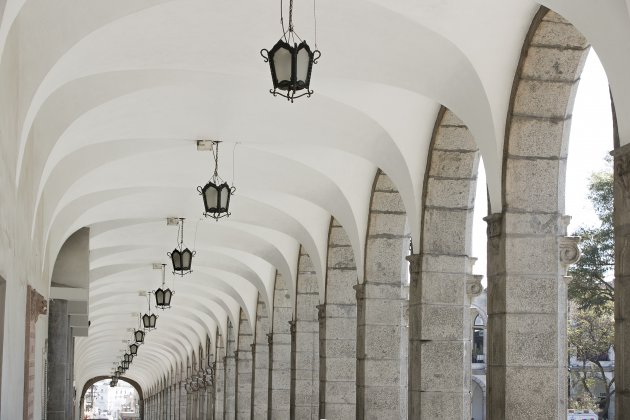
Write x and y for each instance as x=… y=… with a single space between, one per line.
x=114 y=94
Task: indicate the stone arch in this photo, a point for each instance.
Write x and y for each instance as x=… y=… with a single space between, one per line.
x=305 y=346
x=130 y=381
x=526 y=284
x=478 y=398
x=338 y=329
x=441 y=275
x=382 y=316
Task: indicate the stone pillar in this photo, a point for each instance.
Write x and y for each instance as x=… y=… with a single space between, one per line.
x=528 y=254
x=260 y=360
x=35 y=306
x=244 y=369
x=305 y=369
x=338 y=330
x=183 y=400
x=219 y=380
x=442 y=287
x=381 y=310
x=60 y=344
x=622 y=278
x=230 y=373
x=280 y=353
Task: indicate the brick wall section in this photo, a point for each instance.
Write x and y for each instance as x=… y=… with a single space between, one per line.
x=305 y=369
x=526 y=284
x=441 y=276
x=382 y=310
x=244 y=368
x=338 y=330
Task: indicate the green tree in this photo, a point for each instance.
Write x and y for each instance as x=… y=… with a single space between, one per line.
x=591 y=286
x=591 y=293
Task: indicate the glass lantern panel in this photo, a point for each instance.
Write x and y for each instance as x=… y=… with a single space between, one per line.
x=167 y=297
x=133 y=349
x=282 y=62
x=159 y=297
x=146 y=321
x=176 y=258
x=303 y=63
x=186 y=259
x=225 y=197
x=139 y=336
x=152 y=320
x=211 y=197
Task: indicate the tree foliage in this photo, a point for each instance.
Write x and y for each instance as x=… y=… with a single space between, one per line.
x=591 y=287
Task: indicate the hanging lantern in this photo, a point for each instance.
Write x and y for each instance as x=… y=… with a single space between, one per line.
x=133 y=349
x=124 y=364
x=216 y=193
x=291 y=63
x=138 y=336
x=128 y=358
x=163 y=295
x=149 y=319
x=181 y=257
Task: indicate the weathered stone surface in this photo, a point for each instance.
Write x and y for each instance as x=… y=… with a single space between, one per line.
x=533 y=185
x=544 y=99
x=559 y=64
x=552 y=33
x=454 y=137
x=443 y=233
x=537 y=137
x=451 y=193
x=453 y=164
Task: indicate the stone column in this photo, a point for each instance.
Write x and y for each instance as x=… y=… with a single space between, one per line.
x=183 y=399
x=260 y=360
x=280 y=353
x=60 y=343
x=622 y=278
x=230 y=373
x=528 y=254
x=244 y=368
x=338 y=330
x=442 y=287
x=381 y=310
x=305 y=369
x=219 y=381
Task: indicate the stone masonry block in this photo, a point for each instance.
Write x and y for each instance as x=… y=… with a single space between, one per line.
x=532 y=185
x=341 y=257
x=450 y=118
x=531 y=339
x=338 y=237
x=532 y=223
x=455 y=138
x=532 y=294
x=537 y=255
x=440 y=322
x=382 y=373
x=453 y=164
x=384 y=183
x=340 y=348
x=387 y=202
x=553 y=64
x=382 y=341
x=439 y=288
x=340 y=370
x=440 y=366
x=551 y=33
x=543 y=99
x=387 y=224
x=451 y=193
x=535 y=137
x=445 y=231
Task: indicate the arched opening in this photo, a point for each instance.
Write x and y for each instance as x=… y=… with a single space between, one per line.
x=99 y=400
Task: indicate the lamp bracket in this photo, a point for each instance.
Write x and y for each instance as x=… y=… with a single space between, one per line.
x=205 y=145
x=172 y=221
x=142 y=292
x=157 y=266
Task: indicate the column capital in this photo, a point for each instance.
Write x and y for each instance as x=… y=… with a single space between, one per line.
x=293 y=326
x=569 y=252
x=270 y=338
x=473 y=285
x=321 y=311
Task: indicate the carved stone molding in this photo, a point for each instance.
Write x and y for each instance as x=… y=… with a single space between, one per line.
x=270 y=339
x=38 y=304
x=494 y=229
x=473 y=285
x=293 y=327
x=321 y=312
x=569 y=252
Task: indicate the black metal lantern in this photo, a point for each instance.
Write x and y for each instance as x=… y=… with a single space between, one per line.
x=163 y=295
x=149 y=319
x=181 y=257
x=216 y=193
x=124 y=364
x=128 y=357
x=138 y=336
x=133 y=349
x=291 y=63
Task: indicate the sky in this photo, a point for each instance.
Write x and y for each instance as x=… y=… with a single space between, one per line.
x=590 y=141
